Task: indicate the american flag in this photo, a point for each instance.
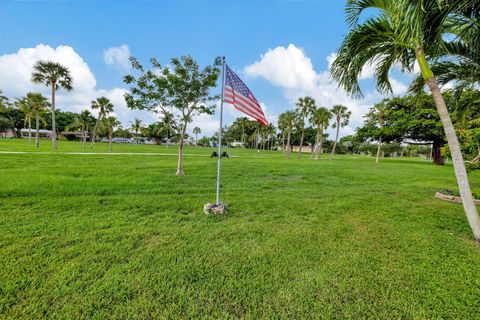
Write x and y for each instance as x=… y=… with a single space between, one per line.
x=237 y=93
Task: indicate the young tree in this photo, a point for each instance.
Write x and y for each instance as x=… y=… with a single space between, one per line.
x=27 y=111
x=182 y=85
x=402 y=33
x=379 y=110
x=136 y=126
x=104 y=107
x=37 y=104
x=57 y=77
x=305 y=106
x=196 y=132
x=342 y=117
x=109 y=124
x=84 y=122
x=321 y=118
x=288 y=120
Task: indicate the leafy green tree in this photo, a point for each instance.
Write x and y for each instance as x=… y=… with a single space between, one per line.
x=182 y=85
x=196 y=132
x=401 y=33
x=39 y=105
x=321 y=118
x=342 y=117
x=104 y=107
x=287 y=120
x=305 y=106
x=56 y=76
x=204 y=141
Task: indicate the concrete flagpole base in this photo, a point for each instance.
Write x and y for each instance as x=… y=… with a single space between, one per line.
x=213 y=208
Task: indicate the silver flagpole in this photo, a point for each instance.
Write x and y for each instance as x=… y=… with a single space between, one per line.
x=220 y=133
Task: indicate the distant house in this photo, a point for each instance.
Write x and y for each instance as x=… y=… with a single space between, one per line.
x=42 y=133
x=236 y=144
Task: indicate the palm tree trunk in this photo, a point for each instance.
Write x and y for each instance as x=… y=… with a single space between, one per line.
x=458 y=164
x=180 y=152
x=289 y=147
x=316 y=149
x=379 y=148
x=54 y=125
x=336 y=140
x=283 y=142
x=29 y=129
x=37 y=130
x=321 y=143
x=301 y=143
x=84 y=138
x=92 y=140
x=110 y=140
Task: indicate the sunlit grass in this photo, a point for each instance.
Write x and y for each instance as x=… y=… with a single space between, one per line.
x=98 y=236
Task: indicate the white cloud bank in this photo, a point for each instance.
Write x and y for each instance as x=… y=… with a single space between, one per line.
x=291 y=70
x=15 y=81
x=118 y=56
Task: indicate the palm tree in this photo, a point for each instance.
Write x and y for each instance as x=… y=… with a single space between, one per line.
x=243 y=122
x=3 y=101
x=288 y=120
x=36 y=104
x=342 y=117
x=320 y=117
x=136 y=126
x=56 y=76
x=110 y=124
x=169 y=125
x=196 y=132
x=401 y=33
x=379 y=110
x=104 y=107
x=26 y=108
x=305 y=107
x=83 y=122
x=270 y=132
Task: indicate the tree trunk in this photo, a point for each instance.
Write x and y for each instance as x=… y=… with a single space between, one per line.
x=336 y=140
x=180 y=153
x=110 y=140
x=92 y=140
x=458 y=164
x=321 y=144
x=289 y=147
x=317 y=144
x=301 y=143
x=283 y=143
x=37 y=131
x=30 y=129
x=54 y=125
x=437 y=157
x=84 y=138
x=379 y=148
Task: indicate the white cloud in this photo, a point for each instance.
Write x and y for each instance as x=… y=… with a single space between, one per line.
x=118 y=56
x=291 y=70
x=15 y=80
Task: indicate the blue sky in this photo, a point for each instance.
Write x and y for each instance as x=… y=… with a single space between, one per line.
x=280 y=48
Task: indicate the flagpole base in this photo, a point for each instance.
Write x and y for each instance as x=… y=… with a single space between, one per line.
x=214 y=209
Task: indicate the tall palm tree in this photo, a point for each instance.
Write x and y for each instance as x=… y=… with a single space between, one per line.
x=136 y=126
x=3 y=101
x=342 y=117
x=104 y=107
x=109 y=124
x=320 y=117
x=57 y=77
x=82 y=122
x=27 y=110
x=243 y=122
x=379 y=110
x=196 y=132
x=401 y=33
x=305 y=106
x=37 y=105
x=288 y=120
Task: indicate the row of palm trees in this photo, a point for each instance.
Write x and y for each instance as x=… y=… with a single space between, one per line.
x=319 y=116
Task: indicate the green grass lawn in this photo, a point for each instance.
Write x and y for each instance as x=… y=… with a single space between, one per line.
x=100 y=236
